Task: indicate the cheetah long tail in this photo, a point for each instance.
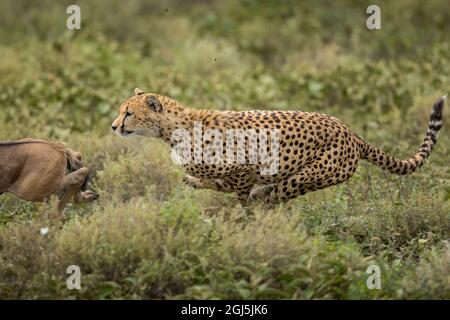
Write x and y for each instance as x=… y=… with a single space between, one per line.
x=398 y=166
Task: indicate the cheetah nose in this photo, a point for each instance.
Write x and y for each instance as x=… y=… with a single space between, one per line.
x=114 y=127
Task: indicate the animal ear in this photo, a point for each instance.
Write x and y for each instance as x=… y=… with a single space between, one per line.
x=154 y=103
x=138 y=91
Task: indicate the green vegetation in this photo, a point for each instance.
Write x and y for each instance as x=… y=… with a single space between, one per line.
x=149 y=236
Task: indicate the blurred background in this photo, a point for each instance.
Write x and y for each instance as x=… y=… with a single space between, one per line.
x=149 y=236
x=221 y=54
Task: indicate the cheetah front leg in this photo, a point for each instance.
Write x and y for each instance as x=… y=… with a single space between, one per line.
x=243 y=184
x=240 y=184
x=261 y=192
x=214 y=184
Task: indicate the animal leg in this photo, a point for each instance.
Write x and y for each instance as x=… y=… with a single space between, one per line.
x=72 y=184
x=243 y=184
x=260 y=193
x=326 y=171
x=214 y=184
x=85 y=196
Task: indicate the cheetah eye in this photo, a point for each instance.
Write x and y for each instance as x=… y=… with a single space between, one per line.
x=128 y=114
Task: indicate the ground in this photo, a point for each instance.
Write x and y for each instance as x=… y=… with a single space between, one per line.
x=150 y=236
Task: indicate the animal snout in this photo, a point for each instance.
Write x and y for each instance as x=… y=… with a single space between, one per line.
x=114 y=127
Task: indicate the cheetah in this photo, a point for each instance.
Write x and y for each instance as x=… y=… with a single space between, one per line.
x=314 y=151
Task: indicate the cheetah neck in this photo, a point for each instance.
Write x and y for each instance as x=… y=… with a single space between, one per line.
x=187 y=118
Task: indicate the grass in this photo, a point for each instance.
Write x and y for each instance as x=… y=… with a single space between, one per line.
x=149 y=236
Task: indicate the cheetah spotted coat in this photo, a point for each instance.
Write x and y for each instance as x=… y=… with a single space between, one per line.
x=315 y=150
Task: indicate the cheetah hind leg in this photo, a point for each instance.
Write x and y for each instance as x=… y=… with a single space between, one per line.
x=309 y=179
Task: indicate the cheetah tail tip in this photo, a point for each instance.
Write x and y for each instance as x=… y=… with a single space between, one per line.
x=441 y=101
x=437 y=108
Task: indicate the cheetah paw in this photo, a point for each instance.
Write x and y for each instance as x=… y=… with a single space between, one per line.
x=260 y=193
x=193 y=182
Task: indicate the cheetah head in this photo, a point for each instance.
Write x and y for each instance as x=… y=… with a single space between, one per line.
x=139 y=115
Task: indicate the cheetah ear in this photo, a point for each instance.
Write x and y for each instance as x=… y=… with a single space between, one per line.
x=138 y=91
x=154 y=103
